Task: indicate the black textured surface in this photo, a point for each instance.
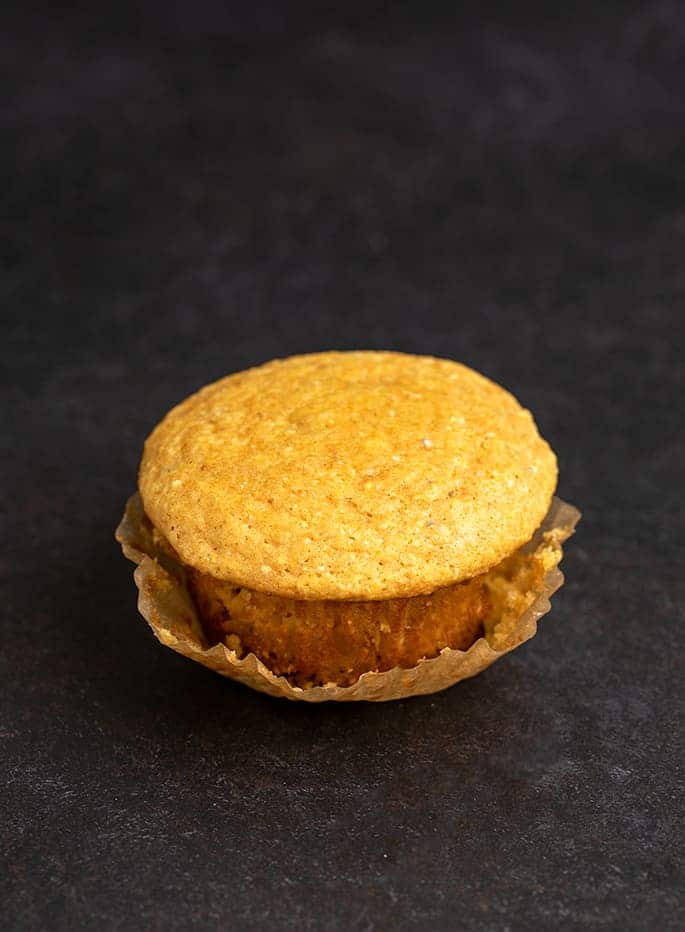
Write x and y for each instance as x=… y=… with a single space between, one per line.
x=503 y=189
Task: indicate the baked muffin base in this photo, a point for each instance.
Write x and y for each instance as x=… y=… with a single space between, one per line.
x=520 y=597
x=314 y=642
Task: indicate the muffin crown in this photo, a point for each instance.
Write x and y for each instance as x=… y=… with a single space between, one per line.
x=357 y=475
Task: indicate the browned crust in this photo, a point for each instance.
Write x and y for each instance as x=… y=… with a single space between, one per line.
x=353 y=476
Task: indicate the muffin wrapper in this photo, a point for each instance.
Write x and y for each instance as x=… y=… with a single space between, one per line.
x=165 y=603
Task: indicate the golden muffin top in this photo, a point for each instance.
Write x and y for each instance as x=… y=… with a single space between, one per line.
x=358 y=475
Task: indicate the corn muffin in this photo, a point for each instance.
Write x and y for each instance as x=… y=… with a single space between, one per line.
x=338 y=513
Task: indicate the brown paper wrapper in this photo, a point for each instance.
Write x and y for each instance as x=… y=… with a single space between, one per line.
x=523 y=587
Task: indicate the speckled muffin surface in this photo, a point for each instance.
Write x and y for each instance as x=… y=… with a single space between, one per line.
x=357 y=475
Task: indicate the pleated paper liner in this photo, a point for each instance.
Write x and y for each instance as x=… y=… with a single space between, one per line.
x=520 y=589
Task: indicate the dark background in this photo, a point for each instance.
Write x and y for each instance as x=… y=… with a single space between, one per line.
x=194 y=188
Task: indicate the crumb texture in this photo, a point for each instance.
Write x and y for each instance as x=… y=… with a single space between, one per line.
x=317 y=642
x=360 y=475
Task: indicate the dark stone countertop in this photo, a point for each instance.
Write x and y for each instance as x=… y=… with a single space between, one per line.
x=196 y=191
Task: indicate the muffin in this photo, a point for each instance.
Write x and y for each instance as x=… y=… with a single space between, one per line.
x=337 y=515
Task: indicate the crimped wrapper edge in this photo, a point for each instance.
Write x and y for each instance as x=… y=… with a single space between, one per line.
x=166 y=605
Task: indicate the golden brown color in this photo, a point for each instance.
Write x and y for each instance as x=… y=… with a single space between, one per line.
x=316 y=642
x=350 y=476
